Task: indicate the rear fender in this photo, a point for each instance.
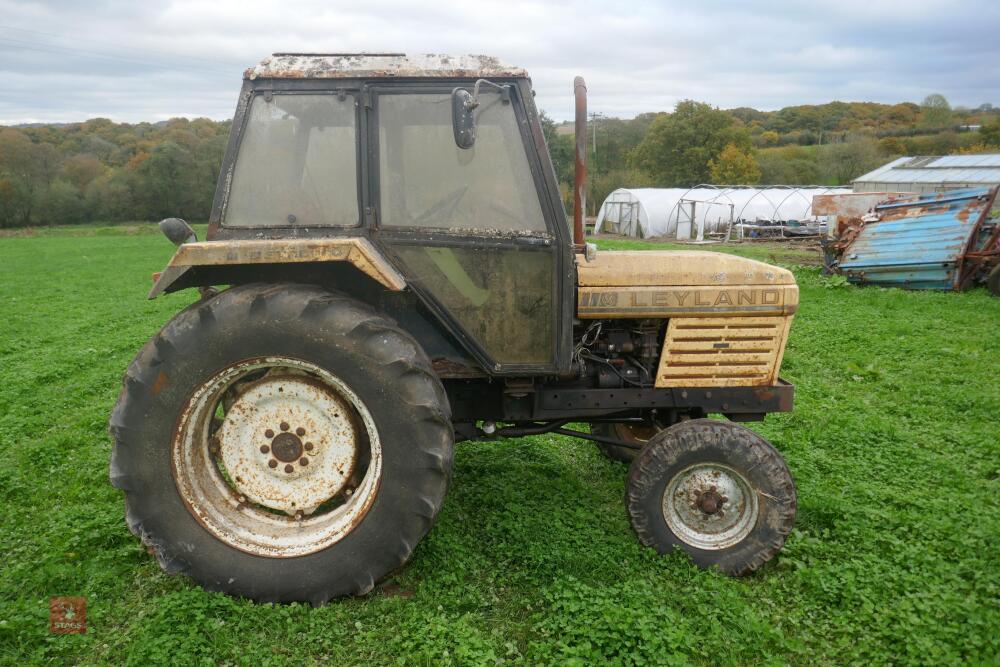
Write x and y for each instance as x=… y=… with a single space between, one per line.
x=194 y=261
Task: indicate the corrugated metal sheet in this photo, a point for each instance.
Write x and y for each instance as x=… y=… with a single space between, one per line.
x=963 y=170
x=919 y=242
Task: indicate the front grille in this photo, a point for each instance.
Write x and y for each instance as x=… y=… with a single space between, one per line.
x=722 y=351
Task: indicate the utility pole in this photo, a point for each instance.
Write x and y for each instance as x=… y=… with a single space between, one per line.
x=594 y=117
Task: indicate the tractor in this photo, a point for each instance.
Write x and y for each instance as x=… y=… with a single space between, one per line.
x=389 y=270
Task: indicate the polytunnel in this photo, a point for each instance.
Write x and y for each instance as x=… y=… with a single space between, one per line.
x=686 y=213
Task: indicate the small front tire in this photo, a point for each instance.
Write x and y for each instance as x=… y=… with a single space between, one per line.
x=714 y=489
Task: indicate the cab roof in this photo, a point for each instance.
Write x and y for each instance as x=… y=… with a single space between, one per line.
x=379 y=65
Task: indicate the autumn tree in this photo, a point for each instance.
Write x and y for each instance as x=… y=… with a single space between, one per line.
x=734 y=166
x=935 y=111
x=788 y=165
x=560 y=148
x=892 y=146
x=769 y=138
x=80 y=170
x=989 y=133
x=59 y=203
x=678 y=147
x=845 y=161
x=22 y=172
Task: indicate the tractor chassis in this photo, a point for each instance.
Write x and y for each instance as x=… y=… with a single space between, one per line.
x=546 y=408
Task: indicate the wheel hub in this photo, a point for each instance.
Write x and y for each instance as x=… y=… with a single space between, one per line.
x=286 y=447
x=710 y=506
x=288 y=443
x=710 y=502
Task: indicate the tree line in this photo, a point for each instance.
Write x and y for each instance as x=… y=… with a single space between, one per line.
x=99 y=170
x=828 y=144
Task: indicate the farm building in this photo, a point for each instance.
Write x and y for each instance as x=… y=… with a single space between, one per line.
x=931 y=173
x=687 y=213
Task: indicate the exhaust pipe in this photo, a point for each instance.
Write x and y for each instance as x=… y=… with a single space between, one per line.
x=580 y=170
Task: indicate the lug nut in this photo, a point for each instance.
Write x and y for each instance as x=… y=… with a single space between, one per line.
x=264 y=449
x=269 y=433
x=300 y=431
x=303 y=461
x=289 y=468
x=272 y=463
x=284 y=426
x=309 y=446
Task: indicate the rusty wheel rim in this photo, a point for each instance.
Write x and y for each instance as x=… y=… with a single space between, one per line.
x=277 y=457
x=710 y=506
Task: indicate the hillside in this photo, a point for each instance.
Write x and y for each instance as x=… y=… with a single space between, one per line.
x=101 y=170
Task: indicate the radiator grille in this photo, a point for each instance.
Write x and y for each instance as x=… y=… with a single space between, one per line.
x=722 y=351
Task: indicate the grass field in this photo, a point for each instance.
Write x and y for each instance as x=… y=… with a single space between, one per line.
x=894 y=444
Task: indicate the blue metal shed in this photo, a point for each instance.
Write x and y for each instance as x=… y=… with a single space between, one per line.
x=922 y=242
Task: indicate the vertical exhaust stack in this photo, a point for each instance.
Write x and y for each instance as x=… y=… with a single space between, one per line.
x=580 y=171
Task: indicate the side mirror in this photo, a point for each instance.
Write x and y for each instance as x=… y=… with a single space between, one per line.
x=463 y=120
x=178 y=231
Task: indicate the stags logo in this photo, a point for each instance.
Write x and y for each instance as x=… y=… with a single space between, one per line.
x=67 y=615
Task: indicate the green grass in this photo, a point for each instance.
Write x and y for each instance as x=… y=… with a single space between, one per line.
x=800 y=252
x=893 y=443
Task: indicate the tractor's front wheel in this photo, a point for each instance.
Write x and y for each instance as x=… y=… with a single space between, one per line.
x=281 y=443
x=715 y=489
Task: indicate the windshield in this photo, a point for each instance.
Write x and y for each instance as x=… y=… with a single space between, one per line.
x=425 y=180
x=297 y=163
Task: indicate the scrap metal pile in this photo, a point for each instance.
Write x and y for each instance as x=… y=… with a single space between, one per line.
x=947 y=241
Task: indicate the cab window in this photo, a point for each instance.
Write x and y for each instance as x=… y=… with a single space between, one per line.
x=425 y=180
x=297 y=163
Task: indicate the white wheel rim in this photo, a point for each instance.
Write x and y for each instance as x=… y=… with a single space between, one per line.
x=290 y=468
x=710 y=506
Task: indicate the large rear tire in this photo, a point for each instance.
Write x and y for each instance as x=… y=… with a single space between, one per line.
x=281 y=443
x=714 y=489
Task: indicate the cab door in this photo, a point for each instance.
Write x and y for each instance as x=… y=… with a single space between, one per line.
x=471 y=229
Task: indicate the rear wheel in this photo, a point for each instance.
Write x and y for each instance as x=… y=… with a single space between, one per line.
x=281 y=443
x=715 y=489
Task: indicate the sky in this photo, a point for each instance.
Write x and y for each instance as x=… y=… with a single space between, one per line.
x=64 y=61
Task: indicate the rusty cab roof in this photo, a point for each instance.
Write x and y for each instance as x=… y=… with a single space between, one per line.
x=380 y=65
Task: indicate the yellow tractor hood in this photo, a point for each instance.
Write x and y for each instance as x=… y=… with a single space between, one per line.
x=685 y=283
x=727 y=317
x=642 y=268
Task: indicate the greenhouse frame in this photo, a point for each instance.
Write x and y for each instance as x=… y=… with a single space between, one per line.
x=709 y=210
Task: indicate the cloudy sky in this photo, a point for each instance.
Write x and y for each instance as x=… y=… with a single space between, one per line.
x=150 y=60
